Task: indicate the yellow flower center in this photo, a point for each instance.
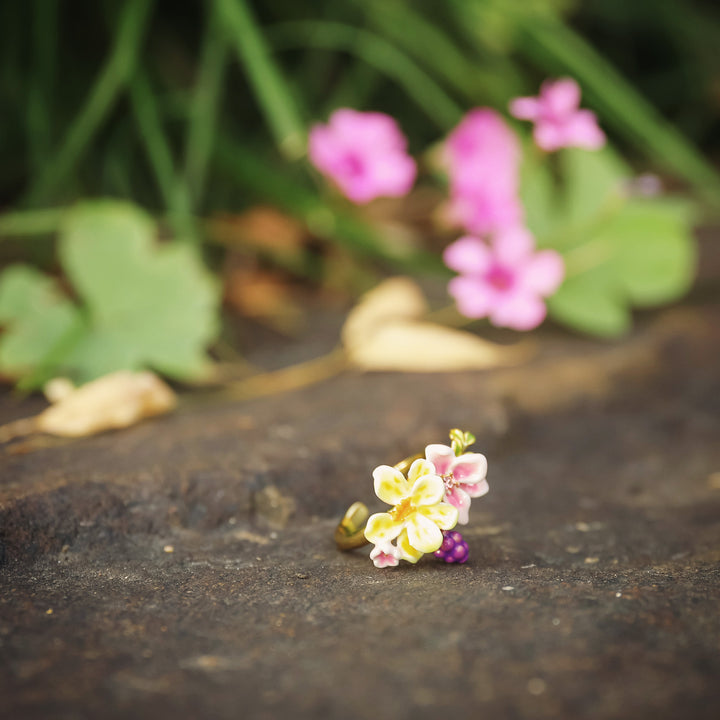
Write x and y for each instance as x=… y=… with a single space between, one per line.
x=401 y=511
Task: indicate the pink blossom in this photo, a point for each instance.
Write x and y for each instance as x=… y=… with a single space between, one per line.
x=483 y=158
x=506 y=280
x=463 y=476
x=385 y=555
x=558 y=120
x=484 y=210
x=365 y=153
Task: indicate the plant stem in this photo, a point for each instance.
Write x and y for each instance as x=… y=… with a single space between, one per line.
x=30 y=222
x=289 y=378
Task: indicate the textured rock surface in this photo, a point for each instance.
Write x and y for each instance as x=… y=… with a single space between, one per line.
x=185 y=567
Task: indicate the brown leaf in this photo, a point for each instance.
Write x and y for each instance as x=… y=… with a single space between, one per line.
x=263 y=228
x=398 y=298
x=264 y=296
x=114 y=401
x=413 y=346
x=385 y=331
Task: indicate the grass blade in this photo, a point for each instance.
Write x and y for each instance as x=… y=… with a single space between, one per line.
x=377 y=52
x=204 y=107
x=173 y=189
x=269 y=86
x=30 y=222
x=410 y=30
x=118 y=68
x=41 y=81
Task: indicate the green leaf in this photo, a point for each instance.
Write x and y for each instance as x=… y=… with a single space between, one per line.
x=38 y=321
x=655 y=255
x=149 y=305
x=593 y=180
x=620 y=250
x=592 y=302
x=537 y=192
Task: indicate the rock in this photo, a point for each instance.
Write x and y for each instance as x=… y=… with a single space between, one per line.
x=605 y=449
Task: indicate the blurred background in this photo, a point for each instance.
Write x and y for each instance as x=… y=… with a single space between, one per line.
x=198 y=113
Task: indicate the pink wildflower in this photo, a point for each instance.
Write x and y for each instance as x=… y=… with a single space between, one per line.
x=483 y=158
x=505 y=281
x=365 y=153
x=463 y=476
x=558 y=120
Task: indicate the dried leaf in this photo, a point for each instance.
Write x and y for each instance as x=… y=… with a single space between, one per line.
x=265 y=296
x=394 y=299
x=413 y=346
x=114 y=401
x=264 y=228
x=58 y=389
x=385 y=331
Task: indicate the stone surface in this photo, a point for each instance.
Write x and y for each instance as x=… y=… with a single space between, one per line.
x=185 y=567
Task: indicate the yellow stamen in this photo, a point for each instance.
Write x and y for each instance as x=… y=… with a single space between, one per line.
x=401 y=511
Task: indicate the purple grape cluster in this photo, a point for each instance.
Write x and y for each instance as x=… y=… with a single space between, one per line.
x=453 y=549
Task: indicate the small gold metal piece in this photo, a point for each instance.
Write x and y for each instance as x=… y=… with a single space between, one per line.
x=350 y=532
x=404 y=465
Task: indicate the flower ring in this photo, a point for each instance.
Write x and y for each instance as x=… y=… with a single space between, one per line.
x=428 y=496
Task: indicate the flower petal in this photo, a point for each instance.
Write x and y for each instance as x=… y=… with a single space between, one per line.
x=525 y=108
x=468 y=255
x=423 y=534
x=391 y=486
x=520 y=311
x=427 y=490
x=549 y=136
x=441 y=456
x=459 y=499
x=473 y=296
x=420 y=468
x=476 y=490
x=382 y=528
x=513 y=245
x=407 y=551
x=470 y=468
x=582 y=131
x=385 y=555
x=543 y=272
x=560 y=98
x=444 y=515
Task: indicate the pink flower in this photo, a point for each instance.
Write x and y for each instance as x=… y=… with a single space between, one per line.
x=385 y=555
x=483 y=158
x=485 y=210
x=505 y=281
x=558 y=120
x=365 y=153
x=463 y=476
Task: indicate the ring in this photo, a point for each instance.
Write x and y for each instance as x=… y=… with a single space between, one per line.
x=429 y=495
